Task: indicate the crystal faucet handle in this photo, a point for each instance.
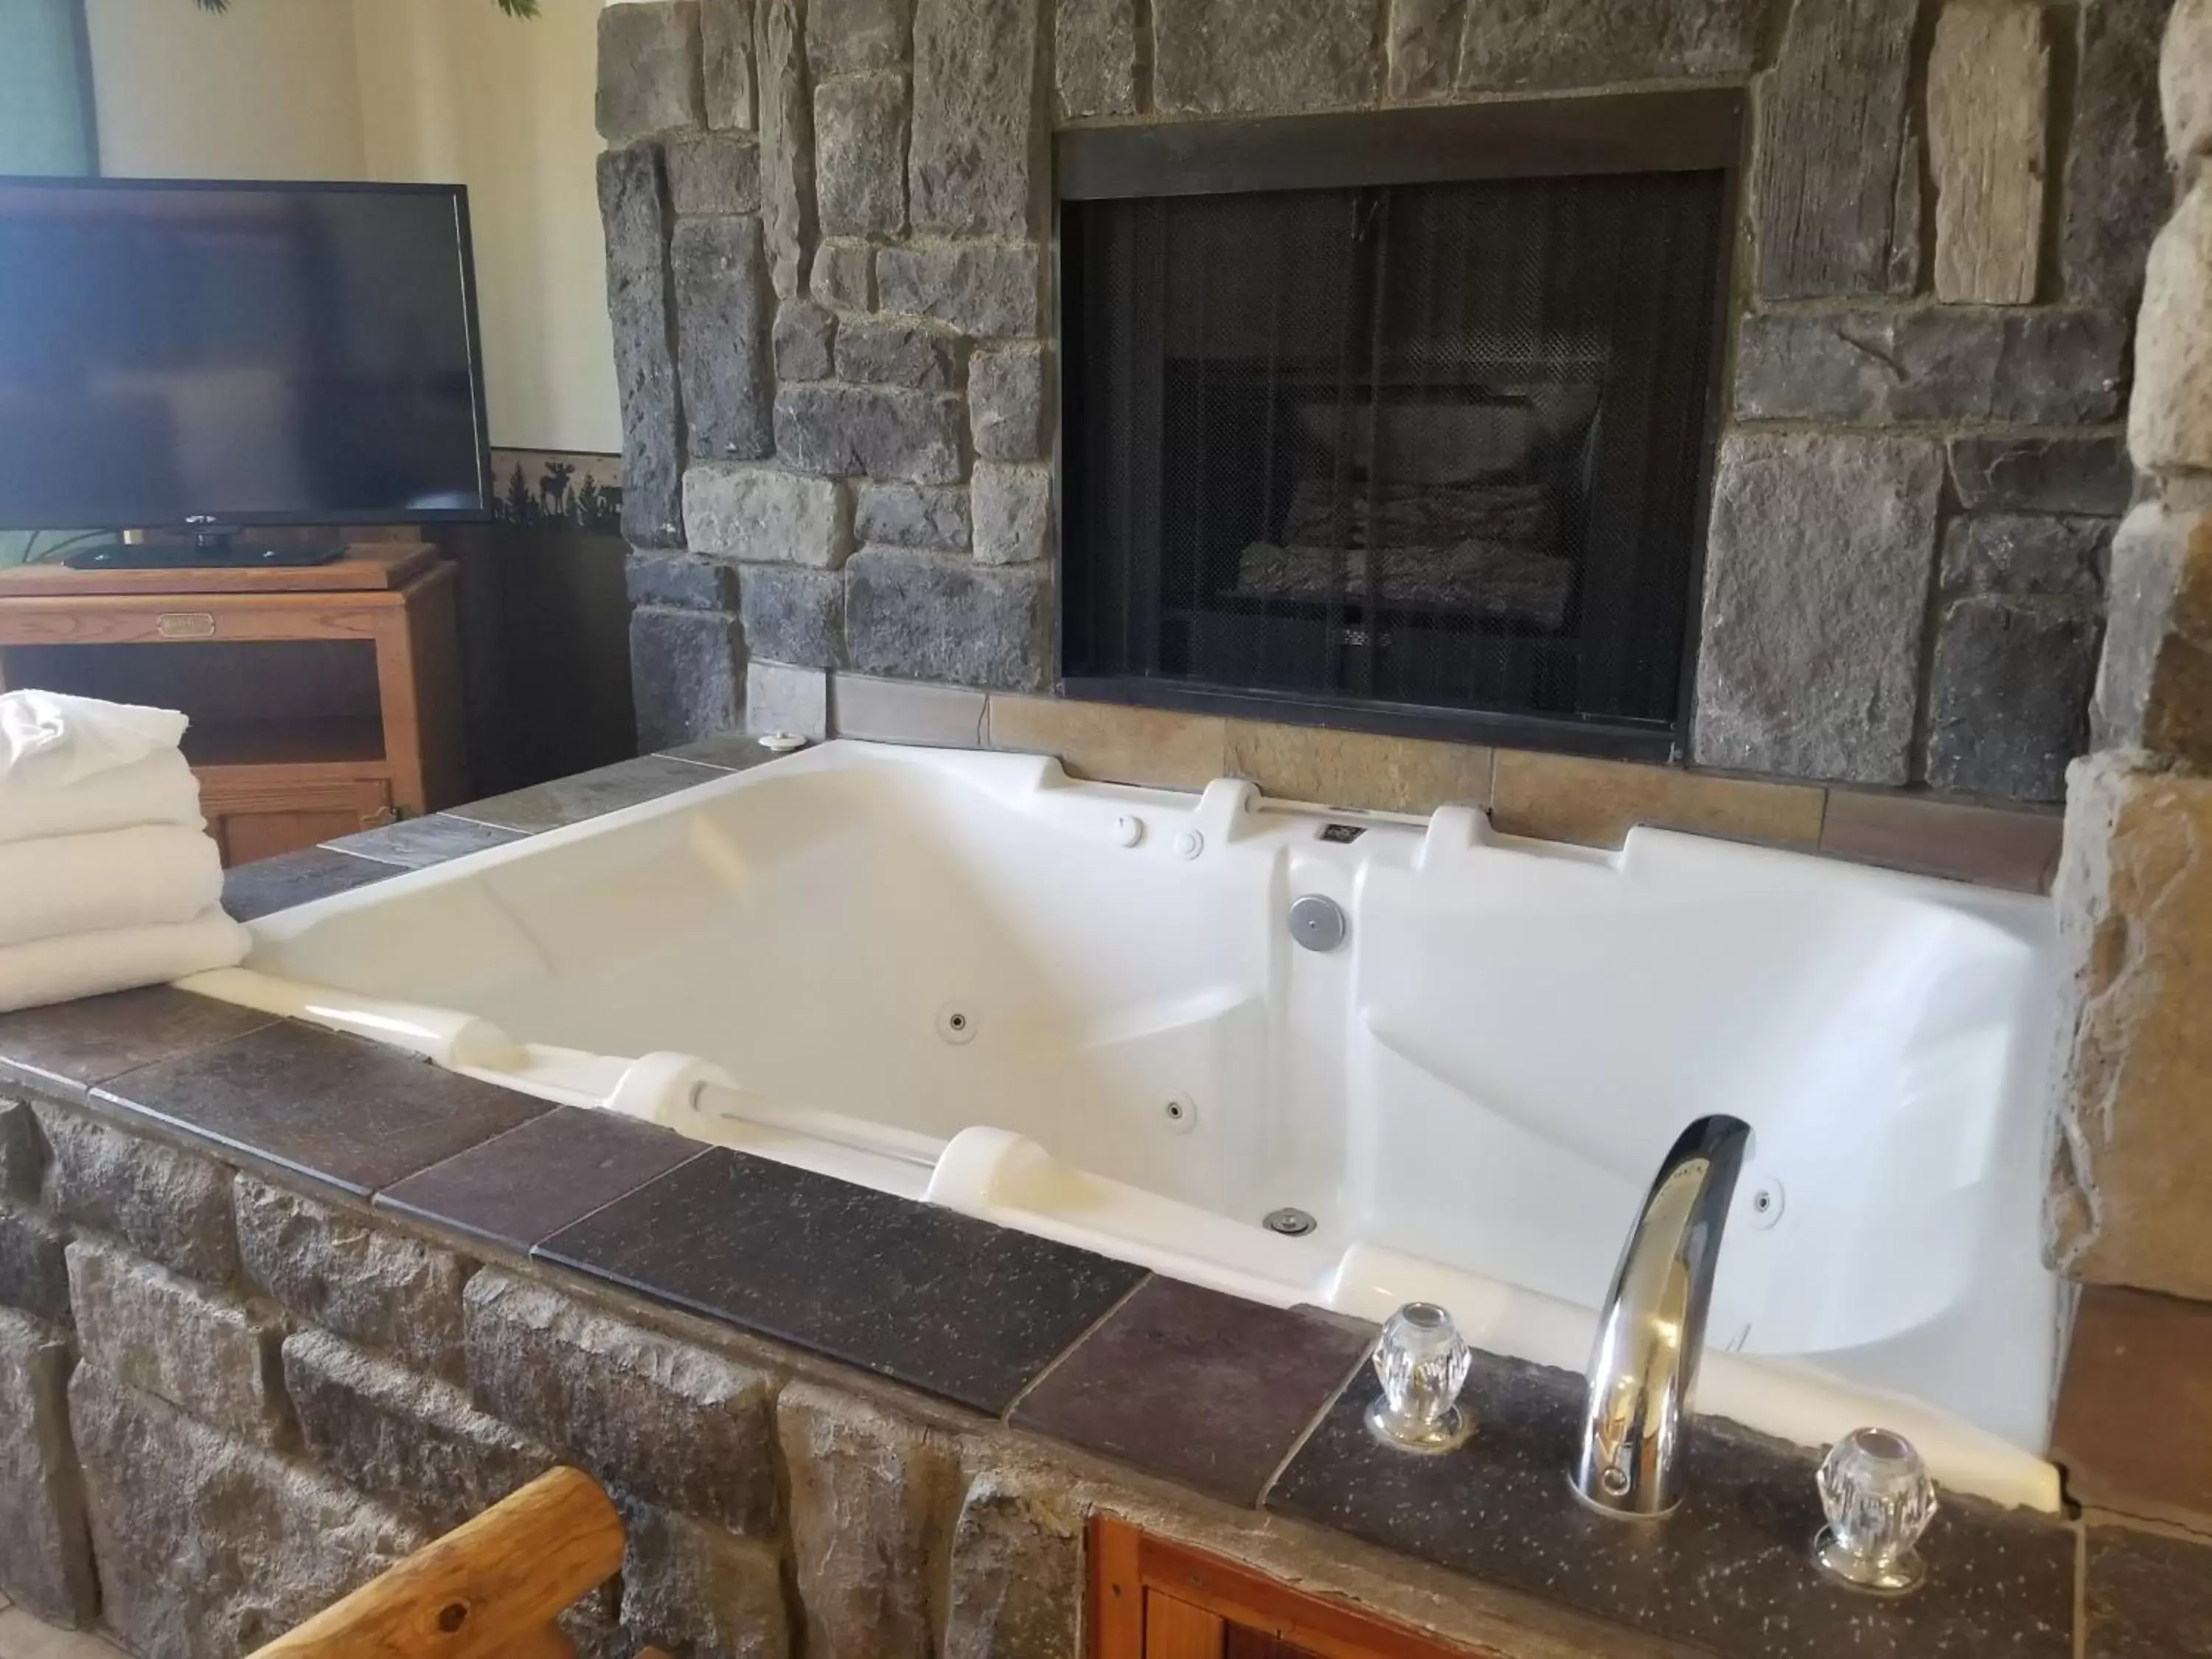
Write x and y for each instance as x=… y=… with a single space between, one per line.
x=1876 y=1494
x=1422 y=1363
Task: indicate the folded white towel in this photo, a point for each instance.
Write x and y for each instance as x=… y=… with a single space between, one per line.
x=87 y=964
x=52 y=739
x=157 y=788
x=119 y=879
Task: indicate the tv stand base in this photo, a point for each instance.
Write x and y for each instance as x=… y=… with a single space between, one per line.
x=195 y=555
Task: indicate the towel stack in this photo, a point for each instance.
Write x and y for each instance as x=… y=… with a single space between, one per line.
x=107 y=877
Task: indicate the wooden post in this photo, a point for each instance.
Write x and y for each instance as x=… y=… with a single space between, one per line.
x=492 y=1586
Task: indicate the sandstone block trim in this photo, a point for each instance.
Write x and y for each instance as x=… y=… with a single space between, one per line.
x=1988 y=92
x=2170 y=414
x=2133 y=898
x=2154 y=683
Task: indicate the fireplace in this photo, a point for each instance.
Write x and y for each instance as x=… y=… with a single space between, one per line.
x=1400 y=419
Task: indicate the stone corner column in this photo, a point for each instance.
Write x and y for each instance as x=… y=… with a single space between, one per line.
x=2133 y=1154
x=2131 y=1158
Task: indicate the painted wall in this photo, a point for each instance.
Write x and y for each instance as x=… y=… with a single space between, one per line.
x=268 y=89
x=448 y=91
x=456 y=90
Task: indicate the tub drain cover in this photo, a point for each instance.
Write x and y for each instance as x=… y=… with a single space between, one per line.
x=1295 y=1224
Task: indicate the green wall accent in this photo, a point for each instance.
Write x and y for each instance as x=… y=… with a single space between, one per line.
x=45 y=112
x=46 y=104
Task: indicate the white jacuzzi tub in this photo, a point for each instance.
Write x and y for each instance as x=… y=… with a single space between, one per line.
x=951 y=975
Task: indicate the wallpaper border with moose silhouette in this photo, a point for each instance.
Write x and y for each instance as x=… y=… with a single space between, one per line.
x=546 y=489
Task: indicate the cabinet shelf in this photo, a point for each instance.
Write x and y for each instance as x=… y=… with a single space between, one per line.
x=352 y=744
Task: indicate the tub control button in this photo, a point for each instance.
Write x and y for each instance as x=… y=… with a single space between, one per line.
x=1421 y=1362
x=1878 y=1499
x=1128 y=830
x=1318 y=923
x=1189 y=844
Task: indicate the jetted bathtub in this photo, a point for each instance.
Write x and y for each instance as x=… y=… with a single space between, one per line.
x=1080 y=1010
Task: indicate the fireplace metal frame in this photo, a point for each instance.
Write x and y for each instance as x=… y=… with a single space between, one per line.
x=1701 y=129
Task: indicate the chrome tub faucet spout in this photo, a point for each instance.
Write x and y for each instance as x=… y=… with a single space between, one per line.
x=1651 y=1329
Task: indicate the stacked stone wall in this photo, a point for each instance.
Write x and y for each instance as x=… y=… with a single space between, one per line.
x=829 y=260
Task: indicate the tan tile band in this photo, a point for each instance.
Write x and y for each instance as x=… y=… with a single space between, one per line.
x=1596 y=803
x=1593 y=802
x=1358 y=769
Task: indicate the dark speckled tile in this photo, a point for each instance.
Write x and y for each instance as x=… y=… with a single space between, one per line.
x=1208 y=1389
x=67 y=1047
x=354 y=1114
x=527 y=1184
x=920 y=1294
x=417 y=843
x=587 y=794
x=289 y=878
x=2150 y=1595
x=1730 y=1570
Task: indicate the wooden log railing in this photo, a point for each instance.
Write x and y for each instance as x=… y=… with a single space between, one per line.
x=490 y=1589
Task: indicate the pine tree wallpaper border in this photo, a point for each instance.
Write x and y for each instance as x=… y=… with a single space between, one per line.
x=548 y=488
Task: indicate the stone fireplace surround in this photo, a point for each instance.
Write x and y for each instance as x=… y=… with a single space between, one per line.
x=829 y=262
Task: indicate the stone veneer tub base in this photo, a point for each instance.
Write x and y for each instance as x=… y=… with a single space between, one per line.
x=247 y=1350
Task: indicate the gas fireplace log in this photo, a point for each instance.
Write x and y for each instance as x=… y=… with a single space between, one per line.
x=1475 y=578
x=1407 y=515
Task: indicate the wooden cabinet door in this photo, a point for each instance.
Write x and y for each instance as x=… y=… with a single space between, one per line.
x=1154 y=1600
x=253 y=821
x=1176 y=1630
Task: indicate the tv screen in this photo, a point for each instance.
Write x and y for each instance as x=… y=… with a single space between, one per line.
x=239 y=353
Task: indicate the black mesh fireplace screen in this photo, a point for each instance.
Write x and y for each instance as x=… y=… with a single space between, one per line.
x=1437 y=447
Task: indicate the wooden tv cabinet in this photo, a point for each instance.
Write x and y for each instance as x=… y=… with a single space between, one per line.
x=324 y=699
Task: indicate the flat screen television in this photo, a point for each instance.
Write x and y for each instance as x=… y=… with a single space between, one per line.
x=190 y=356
